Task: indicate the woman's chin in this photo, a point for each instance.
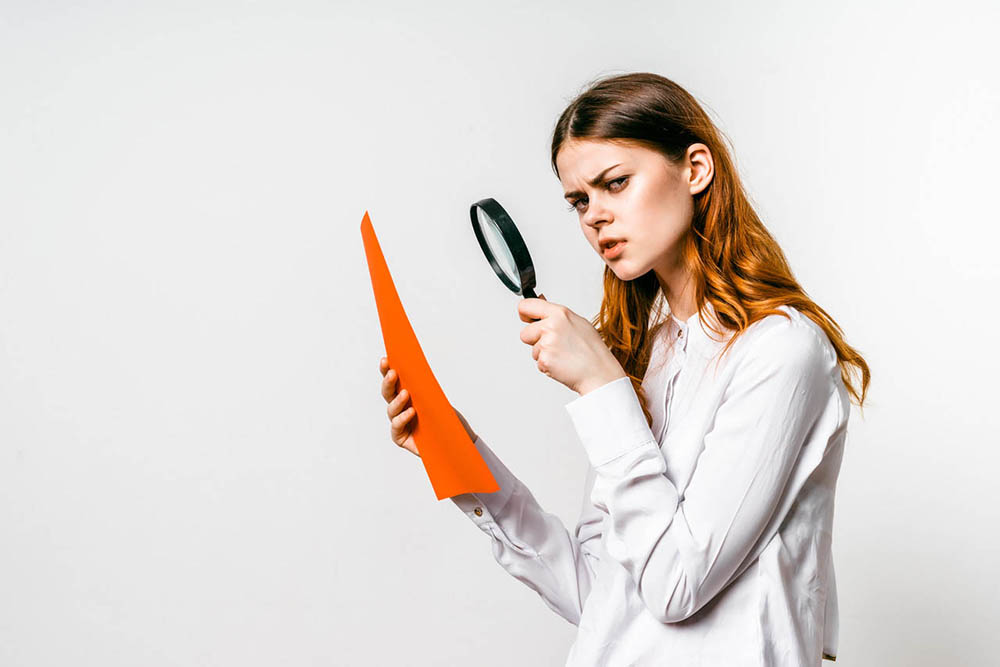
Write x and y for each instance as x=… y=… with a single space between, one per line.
x=625 y=271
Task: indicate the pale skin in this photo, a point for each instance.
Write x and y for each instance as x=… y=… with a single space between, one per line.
x=646 y=201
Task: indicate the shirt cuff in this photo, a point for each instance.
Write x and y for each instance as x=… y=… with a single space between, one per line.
x=609 y=421
x=485 y=507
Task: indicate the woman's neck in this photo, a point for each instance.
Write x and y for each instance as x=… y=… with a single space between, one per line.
x=678 y=289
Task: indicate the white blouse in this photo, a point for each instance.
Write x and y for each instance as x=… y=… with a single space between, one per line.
x=705 y=540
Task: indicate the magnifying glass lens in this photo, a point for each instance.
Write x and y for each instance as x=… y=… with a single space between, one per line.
x=498 y=246
x=503 y=246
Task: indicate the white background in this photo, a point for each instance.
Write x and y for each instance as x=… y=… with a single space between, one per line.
x=195 y=466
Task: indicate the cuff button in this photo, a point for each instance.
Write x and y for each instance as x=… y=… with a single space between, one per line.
x=478 y=511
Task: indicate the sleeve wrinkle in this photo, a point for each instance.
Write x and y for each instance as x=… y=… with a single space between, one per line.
x=532 y=545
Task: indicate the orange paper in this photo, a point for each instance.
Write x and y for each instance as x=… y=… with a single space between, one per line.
x=450 y=458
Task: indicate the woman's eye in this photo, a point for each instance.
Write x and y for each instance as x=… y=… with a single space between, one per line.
x=621 y=179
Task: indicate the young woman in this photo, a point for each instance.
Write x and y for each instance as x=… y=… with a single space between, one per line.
x=714 y=433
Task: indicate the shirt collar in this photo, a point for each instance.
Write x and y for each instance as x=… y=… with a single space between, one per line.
x=694 y=333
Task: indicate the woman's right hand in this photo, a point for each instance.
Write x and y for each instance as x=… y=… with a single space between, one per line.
x=401 y=414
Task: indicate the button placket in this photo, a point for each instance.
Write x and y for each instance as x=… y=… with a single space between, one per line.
x=683 y=338
x=676 y=365
x=668 y=395
x=678 y=361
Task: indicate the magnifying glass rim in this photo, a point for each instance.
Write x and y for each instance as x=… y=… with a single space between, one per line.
x=512 y=237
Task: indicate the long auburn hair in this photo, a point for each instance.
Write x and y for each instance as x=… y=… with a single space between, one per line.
x=736 y=263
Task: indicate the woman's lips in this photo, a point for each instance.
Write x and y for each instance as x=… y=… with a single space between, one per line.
x=614 y=251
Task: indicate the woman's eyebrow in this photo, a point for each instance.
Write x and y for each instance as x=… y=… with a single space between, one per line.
x=594 y=181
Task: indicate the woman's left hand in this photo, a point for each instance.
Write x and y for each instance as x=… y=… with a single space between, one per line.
x=566 y=346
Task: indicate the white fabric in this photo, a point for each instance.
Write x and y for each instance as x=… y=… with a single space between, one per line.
x=708 y=543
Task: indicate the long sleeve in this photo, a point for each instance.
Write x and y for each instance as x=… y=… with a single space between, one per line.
x=681 y=551
x=533 y=545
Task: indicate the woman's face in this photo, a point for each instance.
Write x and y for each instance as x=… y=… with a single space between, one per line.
x=639 y=197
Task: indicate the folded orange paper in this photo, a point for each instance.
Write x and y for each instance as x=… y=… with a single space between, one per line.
x=450 y=458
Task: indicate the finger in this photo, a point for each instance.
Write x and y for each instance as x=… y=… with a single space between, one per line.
x=389 y=385
x=528 y=307
x=400 y=420
x=383 y=365
x=526 y=316
x=396 y=405
x=530 y=334
x=387 y=381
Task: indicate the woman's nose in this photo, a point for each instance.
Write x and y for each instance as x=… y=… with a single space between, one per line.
x=596 y=214
x=597 y=220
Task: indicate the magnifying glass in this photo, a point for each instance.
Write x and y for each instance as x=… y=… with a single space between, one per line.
x=503 y=246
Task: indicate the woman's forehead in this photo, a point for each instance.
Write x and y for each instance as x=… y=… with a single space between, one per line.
x=582 y=159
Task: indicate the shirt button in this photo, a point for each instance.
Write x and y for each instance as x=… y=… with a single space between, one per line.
x=680 y=333
x=478 y=511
